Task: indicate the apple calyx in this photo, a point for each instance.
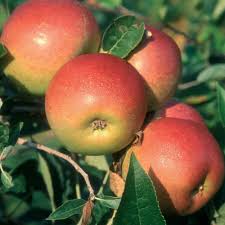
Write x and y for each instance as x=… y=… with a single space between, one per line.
x=199 y=190
x=98 y=124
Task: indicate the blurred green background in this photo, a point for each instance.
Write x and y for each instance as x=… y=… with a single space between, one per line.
x=198 y=27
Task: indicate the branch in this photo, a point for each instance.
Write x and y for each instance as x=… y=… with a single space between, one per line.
x=118 y=10
x=179 y=32
x=110 y=222
x=104 y=182
x=50 y=151
x=125 y=11
x=189 y=84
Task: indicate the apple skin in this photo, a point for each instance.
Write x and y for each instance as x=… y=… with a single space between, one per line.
x=41 y=36
x=96 y=103
x=184 y=161
x=158 y=60
x=180 y=110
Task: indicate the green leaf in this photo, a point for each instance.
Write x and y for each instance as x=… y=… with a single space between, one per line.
x=139 y=205
x=151 y=9
x=4 y=135
x=45 y=172
x=4 y=12
x=19 y=185
x=109 y=201
x=110 y=3
x=3 y=51
x=221 y=103
x=68 y=209
x=47 y=138
x=6 y=179
x=1 y=103
x=99 y=213
x=40 y=201
x=21 y=156
x=214 y=72
x=6 y=151
x=122 y=36
x=14 y=207
x=14 y=133
x=222 y=210
x=98 y=162
x=219 y=9
x=220 y=218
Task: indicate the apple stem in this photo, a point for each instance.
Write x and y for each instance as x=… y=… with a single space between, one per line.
x=138 y=138
x=54 y=152
x=201 y=188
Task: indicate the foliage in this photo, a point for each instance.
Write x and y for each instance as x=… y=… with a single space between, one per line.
x=37 y=186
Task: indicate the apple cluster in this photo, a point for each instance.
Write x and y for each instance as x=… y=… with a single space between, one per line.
x=97 y=103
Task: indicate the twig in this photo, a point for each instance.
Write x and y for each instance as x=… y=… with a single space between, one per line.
x=77 y=187
x=80 y=221
x=188 y=85
x=125 y=11
x=48 y=150
x=110 y=222
x=179 y=32
x=104 y=182
x=96 y=6
x=118 y=10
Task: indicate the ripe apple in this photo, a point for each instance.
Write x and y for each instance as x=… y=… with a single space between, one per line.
x=180 y=110
x=184 y=161
x=96 y=103
x=41 y=36
x=158 y=60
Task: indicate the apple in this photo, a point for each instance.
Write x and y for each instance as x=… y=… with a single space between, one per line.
x=184 y=161
x=158 y=60
x=96 y=104
x=41 y=36
x=180 y=110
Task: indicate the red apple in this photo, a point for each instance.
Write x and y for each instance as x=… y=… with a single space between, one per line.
x=96 y=103
x=180 y=110
x=158 y=60
x=41 y=36
x=184 y=161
